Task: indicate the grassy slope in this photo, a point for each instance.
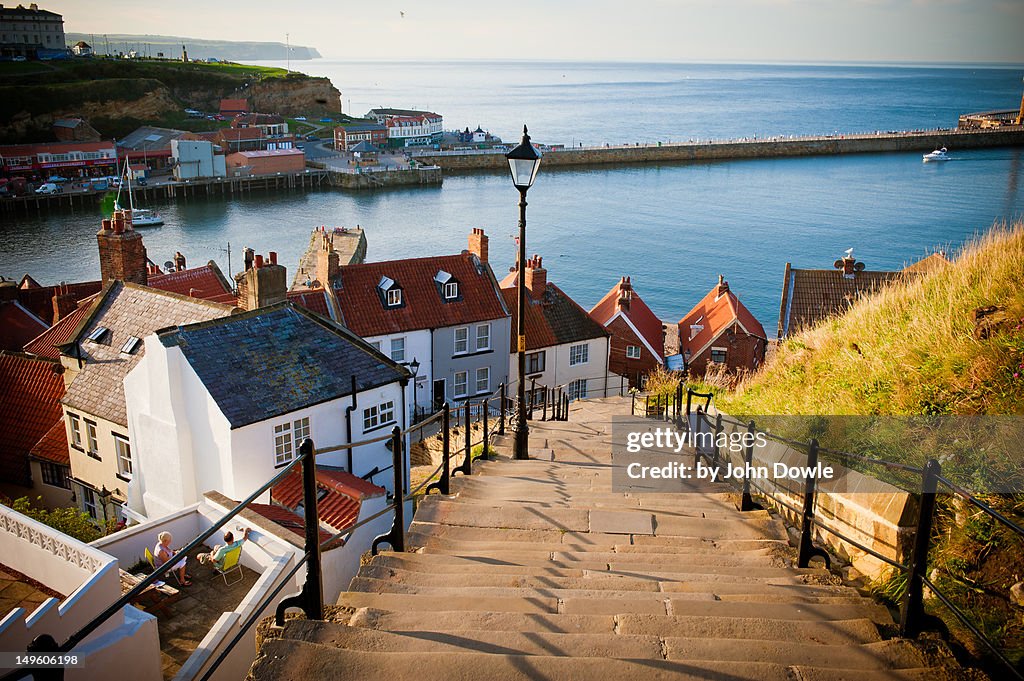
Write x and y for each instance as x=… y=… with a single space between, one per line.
x=910 y=349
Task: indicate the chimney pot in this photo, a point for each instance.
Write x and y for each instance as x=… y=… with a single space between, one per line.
x=273 y=257
x=259 y=261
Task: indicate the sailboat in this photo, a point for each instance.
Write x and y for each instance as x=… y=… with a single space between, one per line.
x=141 y=217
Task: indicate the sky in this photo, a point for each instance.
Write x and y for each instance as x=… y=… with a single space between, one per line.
x=932 y=31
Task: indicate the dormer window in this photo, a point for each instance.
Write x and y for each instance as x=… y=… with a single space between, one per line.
x=447 y=285
x=394 y=297
x=451 y=290
x=391 y=292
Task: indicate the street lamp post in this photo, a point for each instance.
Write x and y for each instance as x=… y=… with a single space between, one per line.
x=414 y=368
x=523 y=163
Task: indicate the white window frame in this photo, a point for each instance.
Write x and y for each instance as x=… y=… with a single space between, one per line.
x=300 y=431
x=376 y=345
x=394 y=297
x=579 y=354
x=284 y=448
x=89 y=503
x=371 y=418
x=725 y=354
x=465 y=384
x=378 y=415
x=398 y=353
x=486 y=371
x=578 y=389
x=76 y=431
x=632 y=352
x=92 y=438
x=464 y=341
x=123 y=454
x=486 y=336
x=451 y=290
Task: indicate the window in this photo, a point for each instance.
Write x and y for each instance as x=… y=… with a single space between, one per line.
x=462 y=340
x=56 y=475
x=535 y=362
x=483 y=380
x=578 y=389
x=376 y=345
x=633 y=352
x=579 y=354
x=76 y=431
x=461 y=383
x=718 y=355
x=98 y=333
x=394 y=297
x=398 y=349
x=300 y=430
x=94 y=444
x=89 y=503
x=283 y=450
x=130 y=345
x=378 y=415
x=483 y=337
x=451 y=290
x=123 y=449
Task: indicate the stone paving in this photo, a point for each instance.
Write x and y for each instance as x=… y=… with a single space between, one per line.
x=20 y=591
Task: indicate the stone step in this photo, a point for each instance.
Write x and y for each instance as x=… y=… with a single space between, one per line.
x=674 y=559
x=696 y=547
x=290 y=659
x=586 y=579
x=635 y=602
x=455 y=565
x=837 y=632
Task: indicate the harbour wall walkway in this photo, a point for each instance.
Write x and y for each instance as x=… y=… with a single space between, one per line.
x=714 y=150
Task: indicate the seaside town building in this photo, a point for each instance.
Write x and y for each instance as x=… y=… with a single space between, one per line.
x=721 y=331
x=349 y=135
x=71 y=159
x=408 y=127
x=150 y=145
x=30 y=32
x=74 y=130
x=195 y=159
x=231 y=107
x=565 y=346
x=272 y=125
x=82 y=49
x=266 y=162
x=445 y=312
x=638 y=341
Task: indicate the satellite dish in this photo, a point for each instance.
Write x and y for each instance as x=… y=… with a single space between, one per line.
x=859 y=267
x=838 y=264
x=169 y=266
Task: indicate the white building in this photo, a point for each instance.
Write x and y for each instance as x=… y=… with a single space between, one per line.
x=222 y=405
x=408 y=127
x=196 y=158
x=565 y=347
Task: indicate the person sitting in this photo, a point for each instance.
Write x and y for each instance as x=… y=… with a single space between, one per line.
x=163 y=552
x=220 y=551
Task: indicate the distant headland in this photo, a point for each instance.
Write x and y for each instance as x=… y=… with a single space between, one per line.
x=170 y=46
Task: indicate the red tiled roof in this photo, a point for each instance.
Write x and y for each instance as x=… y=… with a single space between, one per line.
x=30 y=393
x=234 y=105
x=268 y=153
x=641 y=316
x=45 y=344
x=289 y=520
x=39 y=301
x=342 y=495
x=314 y=300
x=54 y=445
x=18 y=326
x=423 y=305
x=553 y=320
x=206 y=282
x=715 y=313
x=53 y=148
x=236 y=134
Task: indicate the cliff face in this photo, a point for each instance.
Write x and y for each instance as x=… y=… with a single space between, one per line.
x=292 y=96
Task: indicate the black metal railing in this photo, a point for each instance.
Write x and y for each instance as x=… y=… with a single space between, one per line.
x=913 y=618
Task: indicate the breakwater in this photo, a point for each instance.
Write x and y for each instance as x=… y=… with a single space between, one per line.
x=715 y=150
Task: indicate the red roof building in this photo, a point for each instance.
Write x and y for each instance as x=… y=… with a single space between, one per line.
x=339 y=497
x=30 y=393
x=720 y=330
x=46 y=343
x=638 y=343
x=49 y=303
x=74 y=158
x=206 y=282
x=18 y=326
x=233 y=107
x=314 y=300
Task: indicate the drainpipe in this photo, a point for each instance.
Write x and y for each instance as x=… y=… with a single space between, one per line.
x=348 y=423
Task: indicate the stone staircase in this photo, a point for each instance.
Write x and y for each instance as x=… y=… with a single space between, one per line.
x=537 y=570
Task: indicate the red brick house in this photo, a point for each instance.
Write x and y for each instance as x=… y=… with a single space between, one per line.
x=721 y=330
x=637 y=344
x=233 y=107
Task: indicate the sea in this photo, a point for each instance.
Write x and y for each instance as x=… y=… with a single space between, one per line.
x=672 y=228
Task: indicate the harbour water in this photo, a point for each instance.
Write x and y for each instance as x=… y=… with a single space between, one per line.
x=673 y=228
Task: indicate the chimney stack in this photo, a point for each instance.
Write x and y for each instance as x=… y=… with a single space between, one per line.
x=262 y=283
x=248 y=256
x=536 y=276
x=723 y=286
x=625 y=293
x=478 y=244
x=64 y=303
x=179 y=261
x=328 y=262
x=122 y=253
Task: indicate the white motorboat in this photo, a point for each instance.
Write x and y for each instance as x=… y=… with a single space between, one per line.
x=937 y=155
x=141 y=217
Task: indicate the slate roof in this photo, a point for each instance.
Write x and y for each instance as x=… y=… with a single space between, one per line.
x=641 y=316
x=364 y=147
x=46 y=343
x=715 y=313
x=126 y=310
x=342 y=495
x=551 y=320
x=18 y=326
x=150 y=138
x=261 y=364
x=206 y=282
x=423 y=306
x=30 y=392
x=53 y=446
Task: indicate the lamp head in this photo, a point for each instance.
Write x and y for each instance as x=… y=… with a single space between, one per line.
x=523 y=163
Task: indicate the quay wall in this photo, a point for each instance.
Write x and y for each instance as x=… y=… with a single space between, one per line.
x=729 y=150
x=379 y=179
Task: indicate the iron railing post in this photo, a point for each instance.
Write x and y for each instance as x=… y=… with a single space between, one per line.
x=718 y=434
x=807 y=548
x=444 y=485
x=689 y=402
x=486 y=450
x=501 y=416
x=746 y=501
x=311 y=597
x=533 y=398
x=912 y=613
x=544 y=404
x=396 y=536
x=466 y=467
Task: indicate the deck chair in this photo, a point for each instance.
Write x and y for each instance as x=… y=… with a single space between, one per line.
x=230 y=564
x=152 y=563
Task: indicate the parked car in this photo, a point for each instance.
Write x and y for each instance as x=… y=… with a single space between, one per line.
x=141 y=181
x=300 y=118
x=19 y=57
x=49 y=188
x=57 y=179
x=326 y=120
x=312 y=138
x=218 y=117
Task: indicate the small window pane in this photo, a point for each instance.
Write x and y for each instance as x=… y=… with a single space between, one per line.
x=462 y=340
x=398 y=349
x=483 y=380
x=483 y=337
x=461 y=383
